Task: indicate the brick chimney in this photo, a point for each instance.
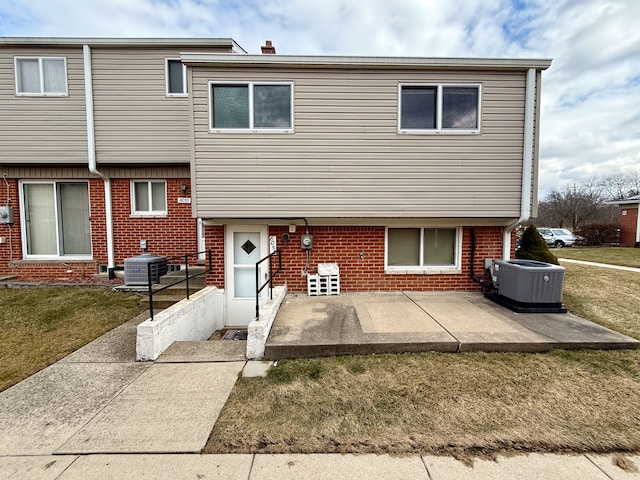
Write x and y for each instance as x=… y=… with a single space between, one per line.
x=268 y=48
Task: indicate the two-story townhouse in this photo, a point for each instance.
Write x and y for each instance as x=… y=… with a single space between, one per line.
x=401 y=170
x=95 y=152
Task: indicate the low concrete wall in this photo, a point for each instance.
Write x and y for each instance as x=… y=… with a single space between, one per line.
x=258 y=330
x=193 y=319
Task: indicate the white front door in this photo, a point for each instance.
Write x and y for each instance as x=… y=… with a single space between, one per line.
x=244 y=246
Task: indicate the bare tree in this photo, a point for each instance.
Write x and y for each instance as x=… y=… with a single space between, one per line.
x=572 y=206
x=621 y=185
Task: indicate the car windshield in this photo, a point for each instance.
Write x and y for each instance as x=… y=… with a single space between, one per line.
x=561 y=231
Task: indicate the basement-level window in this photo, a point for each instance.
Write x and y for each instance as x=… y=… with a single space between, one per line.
x=251 y=106
x=439 y=108
x=149 y=197
x=42 y=76
x=56 y=219
x=412 y=250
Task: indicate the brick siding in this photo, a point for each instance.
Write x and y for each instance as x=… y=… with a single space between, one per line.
x=628 y=226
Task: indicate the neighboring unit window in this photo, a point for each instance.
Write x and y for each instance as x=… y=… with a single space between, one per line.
x=176 y=77
x=422 y=247
x=251 y=106
x=41 y=76
x=438 y=108
x=149 y=197
x=56 y=218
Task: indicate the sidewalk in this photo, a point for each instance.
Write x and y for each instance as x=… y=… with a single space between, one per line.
x=99 y=414
x=602 y=265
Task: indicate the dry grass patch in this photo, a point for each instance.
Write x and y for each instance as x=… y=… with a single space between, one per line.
x=438 y=403
x=627 y=257
x=40 y=326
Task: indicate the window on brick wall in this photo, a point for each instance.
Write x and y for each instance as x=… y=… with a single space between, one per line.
x=423 y=249
x=56 y=219
x=148 y=197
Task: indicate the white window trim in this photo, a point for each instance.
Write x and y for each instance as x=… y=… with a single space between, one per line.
x=251 y=129
x=456 y=268
x=23 y=220
x=185 y=93
x=42 y=93
x=439 y=98
x=147 y=213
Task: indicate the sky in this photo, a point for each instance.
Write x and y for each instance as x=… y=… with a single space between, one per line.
x=590 y=95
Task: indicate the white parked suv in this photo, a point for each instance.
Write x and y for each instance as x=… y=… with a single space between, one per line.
x=558 y=237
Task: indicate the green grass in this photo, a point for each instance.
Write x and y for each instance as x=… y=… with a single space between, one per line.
x=40 y=326
x=457 y=404
x=627 y=257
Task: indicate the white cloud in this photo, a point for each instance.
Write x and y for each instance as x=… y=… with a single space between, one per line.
x=591 y=93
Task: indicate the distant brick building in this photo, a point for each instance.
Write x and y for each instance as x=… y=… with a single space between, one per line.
x=629 y=221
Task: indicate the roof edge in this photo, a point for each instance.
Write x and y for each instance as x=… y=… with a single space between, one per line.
x=115 y=41
x=373 y=62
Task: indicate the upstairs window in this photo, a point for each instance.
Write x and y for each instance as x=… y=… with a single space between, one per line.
x=176 y=78
x=149 y=197
x=41 y=76
x=428 y=108
x=252 y=106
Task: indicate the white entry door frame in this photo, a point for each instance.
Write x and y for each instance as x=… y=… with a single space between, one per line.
x=244 y=245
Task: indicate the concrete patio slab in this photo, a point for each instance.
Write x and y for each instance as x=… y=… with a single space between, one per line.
x=530 y=467
x=205 y=351
x=40 y=413
x=337 y=467
x=255 y=368
x=171 y=408
x=607 y=463
x=118 y=345
x=395 y=322
x=354 y=323
x=47 y=467
x=160 y=467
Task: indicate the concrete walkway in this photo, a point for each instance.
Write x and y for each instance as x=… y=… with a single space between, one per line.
x=601 y=265
x=99 y=414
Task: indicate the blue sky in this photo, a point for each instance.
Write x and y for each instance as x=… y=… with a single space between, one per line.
x=591 y=94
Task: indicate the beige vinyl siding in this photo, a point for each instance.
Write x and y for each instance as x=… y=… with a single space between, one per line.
x=149 y=172
x=37 y=129
x=135 y=121
x=346 y=157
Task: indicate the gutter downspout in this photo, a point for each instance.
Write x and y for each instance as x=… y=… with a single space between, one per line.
x=93 y=167
x=527 y=163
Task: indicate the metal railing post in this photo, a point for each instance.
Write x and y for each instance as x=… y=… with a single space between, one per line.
x=257 y=291
x=150 y=290
x=186 y=270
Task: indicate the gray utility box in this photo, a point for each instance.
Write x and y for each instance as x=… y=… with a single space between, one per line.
x=529 y=281
x=137 y=269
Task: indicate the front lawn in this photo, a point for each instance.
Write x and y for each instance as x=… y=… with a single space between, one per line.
x=627 y=257
x=40 y=326
x=460 y=404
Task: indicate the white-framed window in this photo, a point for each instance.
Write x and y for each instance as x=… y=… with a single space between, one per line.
x=41 y=76
x=423 y=249
x=148 y=197
x=439 y=108
x=176 y=75
x=56 y=219
x=251 y=106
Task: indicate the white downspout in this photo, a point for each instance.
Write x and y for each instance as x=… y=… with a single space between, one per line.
x=638 y=226
x=527 y=163
x=93 y=167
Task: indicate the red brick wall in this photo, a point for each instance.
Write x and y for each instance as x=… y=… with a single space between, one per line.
x=628 y=226
x=343 y=245
x=175 y=234
x=172 y=235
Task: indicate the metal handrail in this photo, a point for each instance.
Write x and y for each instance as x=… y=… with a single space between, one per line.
x=268 y=281
x=186 y=278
